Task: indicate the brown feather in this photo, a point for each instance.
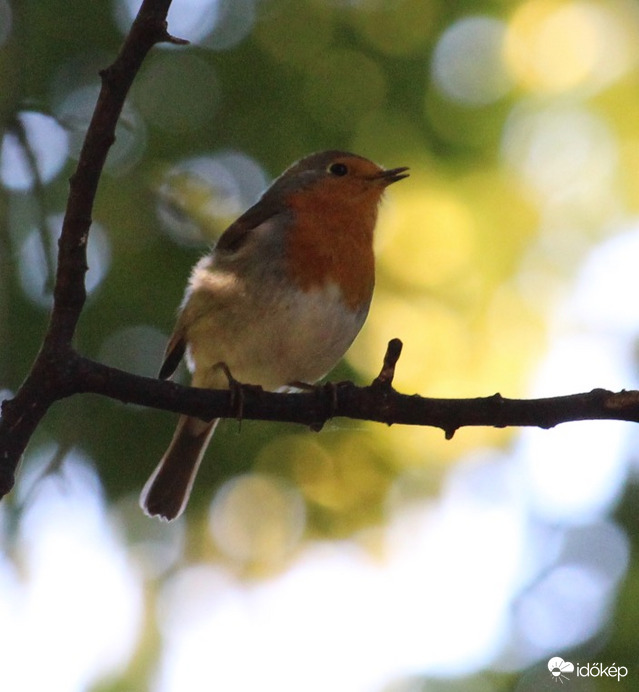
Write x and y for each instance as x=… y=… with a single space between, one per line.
x=173 y=355
x=238 y=232
x=167 y=491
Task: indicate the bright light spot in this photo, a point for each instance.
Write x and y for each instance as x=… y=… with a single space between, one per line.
x=6 y=21
x=609 y=273
x=193 y=19
x=215 y=24
x=444 y=341
x=413 y=611
x=412 y=247
x=156 y=547
x=602 y=548
x=477 y=527
x=564 y=609
x=75 y=590
x=340 y=477
x=576 y=472
x=189 y=19
x=75 y=111
x=49 y=146
x=200 y=197
x=554 y=47
x=257 y=518
x=570 y=600
x=468 y=63
x=34 y=268
x=560 y=151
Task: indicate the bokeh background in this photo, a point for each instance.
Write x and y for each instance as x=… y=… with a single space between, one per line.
x=363 y=558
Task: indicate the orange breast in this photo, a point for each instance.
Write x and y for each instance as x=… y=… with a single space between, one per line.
x=333 y=243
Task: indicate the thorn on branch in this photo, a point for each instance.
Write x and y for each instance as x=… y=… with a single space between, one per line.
x=387 y=373
x=166 y=37
x=174 y=40
x=615 y=401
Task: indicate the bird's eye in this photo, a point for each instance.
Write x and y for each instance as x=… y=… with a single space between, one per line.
x=338 y=169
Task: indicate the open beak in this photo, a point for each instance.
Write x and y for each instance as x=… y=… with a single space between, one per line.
x=392 y=175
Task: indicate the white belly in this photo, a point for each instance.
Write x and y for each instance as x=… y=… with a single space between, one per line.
x=273 y=341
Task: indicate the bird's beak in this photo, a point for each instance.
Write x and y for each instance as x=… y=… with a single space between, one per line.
x=392 y=175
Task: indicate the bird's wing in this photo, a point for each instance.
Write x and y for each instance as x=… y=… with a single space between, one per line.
x=236 y=235
x=232 y=240
x=173 y=354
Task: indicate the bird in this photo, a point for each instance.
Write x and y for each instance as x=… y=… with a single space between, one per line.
x=278 y=300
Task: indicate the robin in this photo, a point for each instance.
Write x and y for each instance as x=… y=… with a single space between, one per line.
x=278 y=300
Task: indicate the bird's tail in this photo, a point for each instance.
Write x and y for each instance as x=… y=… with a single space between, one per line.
x=167 y=491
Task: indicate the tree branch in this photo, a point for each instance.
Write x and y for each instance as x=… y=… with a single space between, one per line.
x=378 y=402
x=49 y=377
x=59 y=371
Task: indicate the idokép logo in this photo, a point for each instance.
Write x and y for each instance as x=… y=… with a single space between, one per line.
x=559 y=670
